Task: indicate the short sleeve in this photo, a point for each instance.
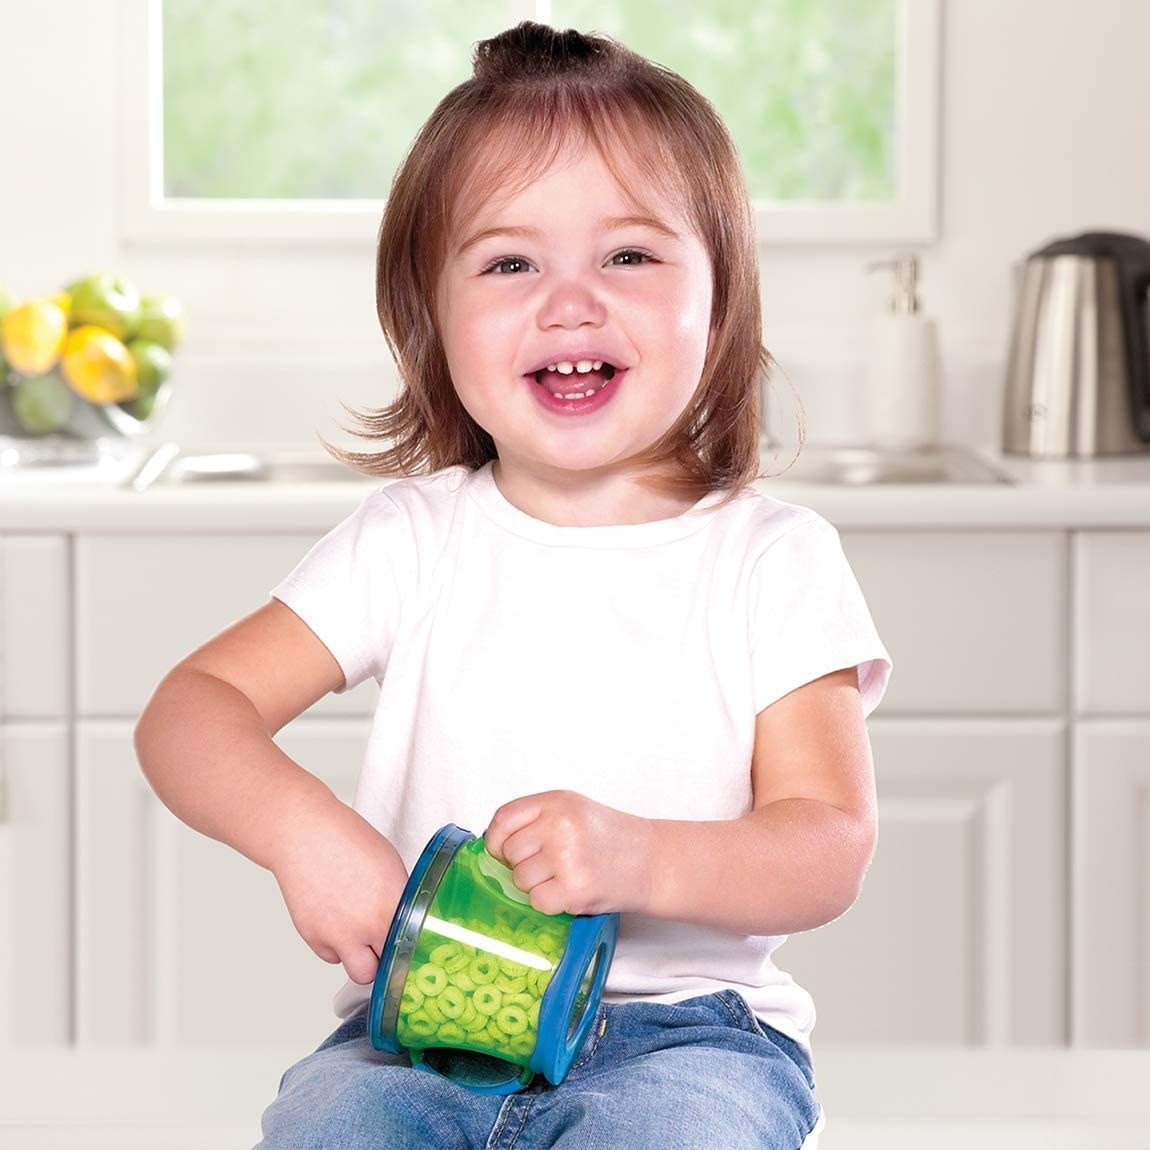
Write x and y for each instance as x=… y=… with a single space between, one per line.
x=347 y=587
x=809 y=617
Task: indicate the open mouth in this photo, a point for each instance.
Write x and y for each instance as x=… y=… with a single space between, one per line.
x=574 y=384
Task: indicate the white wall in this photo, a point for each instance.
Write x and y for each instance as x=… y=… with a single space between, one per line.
x=1043 y=134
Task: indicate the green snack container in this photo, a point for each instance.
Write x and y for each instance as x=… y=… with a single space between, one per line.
x=476 y=984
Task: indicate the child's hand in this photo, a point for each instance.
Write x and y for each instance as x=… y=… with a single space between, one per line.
x=571 y=854
x=341 y=881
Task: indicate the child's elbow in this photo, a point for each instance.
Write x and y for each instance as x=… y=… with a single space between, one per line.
x=862 y=840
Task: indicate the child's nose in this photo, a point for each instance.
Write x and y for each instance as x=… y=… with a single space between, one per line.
x=570 y=302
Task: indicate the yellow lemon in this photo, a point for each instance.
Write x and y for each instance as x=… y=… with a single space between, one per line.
x=99 y=366
x=64 y=302
x=34 y=335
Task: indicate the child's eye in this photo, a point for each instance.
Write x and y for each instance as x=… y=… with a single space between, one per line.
x=500 y=262
x=495 y=265
x=634 y=252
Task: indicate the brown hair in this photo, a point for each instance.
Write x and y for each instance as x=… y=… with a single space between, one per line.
x=534 y=90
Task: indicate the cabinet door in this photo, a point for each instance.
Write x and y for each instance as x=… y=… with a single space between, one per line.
x=1112 y=622
x=143 y=602
x=1111 y=883
x=975 y=621
x=182 y=940
x=35 y=884
x=958 y=935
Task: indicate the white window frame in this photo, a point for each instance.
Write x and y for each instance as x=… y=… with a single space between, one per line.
x=147 y=218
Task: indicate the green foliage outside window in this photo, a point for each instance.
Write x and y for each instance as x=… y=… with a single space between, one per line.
x=321 y=99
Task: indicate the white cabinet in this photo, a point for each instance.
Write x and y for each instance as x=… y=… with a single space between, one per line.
x=35 y=884
x=1112 y=622
x=1006 y=903
x=180 y=940
x=1111 y=888
x=975 y=621
x=1110 y=941
x=958 y=935
x=35 y=836
x=143 y=602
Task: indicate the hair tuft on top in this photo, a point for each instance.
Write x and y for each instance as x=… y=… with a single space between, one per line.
x=531 y=49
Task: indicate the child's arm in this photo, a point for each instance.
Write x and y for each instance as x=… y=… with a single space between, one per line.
x=794 y=862
x=205 y=745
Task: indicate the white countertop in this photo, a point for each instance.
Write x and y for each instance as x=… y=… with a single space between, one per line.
x=1105 y=493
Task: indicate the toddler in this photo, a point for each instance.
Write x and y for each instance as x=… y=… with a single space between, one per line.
x=595 y=640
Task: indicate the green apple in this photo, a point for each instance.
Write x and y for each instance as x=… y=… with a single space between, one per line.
x=42 y=404
x=161 y=320
x=106 y=300
x=153 y=364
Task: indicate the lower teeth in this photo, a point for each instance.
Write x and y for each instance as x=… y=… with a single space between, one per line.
x=582 y=394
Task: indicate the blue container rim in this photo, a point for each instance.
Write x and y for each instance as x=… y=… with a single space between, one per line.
x=406 y=925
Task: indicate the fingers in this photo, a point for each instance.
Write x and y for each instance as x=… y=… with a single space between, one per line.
x=361 y=965
x=508 y=819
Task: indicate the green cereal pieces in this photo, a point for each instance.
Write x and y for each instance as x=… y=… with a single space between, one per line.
x=431 y=978
x=464 y=981
x=451 y=1001
x=524 y=1000
x=474 y=1021
x=510 y=985
x=487 y=1000
x=443 y=952
x=433 y=1011
x=512 y=1019
x=420 y=1023
x=522 y=1045
x=450 y=1034
x=483 y=969
x=412 y=998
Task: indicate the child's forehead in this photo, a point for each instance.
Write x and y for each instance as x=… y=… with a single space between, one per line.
x=500 y=172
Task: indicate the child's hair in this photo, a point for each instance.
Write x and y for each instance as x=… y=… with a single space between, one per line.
x=534 y=90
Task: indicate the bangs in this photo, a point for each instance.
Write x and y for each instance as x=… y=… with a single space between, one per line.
x=500 y=159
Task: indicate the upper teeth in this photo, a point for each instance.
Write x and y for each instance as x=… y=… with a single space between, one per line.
x=566 y=367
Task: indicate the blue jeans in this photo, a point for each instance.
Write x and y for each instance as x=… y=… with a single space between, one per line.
x=693 y=1075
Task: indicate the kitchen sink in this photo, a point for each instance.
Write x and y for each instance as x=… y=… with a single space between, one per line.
x=168 y=466
x=867 y=466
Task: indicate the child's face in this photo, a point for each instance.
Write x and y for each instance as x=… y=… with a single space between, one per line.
x=564 y=290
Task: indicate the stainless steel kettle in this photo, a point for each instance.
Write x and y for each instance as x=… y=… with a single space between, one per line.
x=1078 y=375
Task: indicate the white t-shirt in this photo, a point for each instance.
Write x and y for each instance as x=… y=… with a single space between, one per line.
x=625 y=662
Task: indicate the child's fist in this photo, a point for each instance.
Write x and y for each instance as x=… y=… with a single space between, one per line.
x=573 y=855
x=341 y=881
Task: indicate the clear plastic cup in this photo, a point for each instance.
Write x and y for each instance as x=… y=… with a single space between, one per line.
x=476 y=984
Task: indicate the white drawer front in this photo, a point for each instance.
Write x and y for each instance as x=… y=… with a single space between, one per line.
x=144 y=602
x=34 y=622
x=974 y=621
x=1112 y=622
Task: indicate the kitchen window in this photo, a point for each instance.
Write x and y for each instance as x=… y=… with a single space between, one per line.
x=250 y=121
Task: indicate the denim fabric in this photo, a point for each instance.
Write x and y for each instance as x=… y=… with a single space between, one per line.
x=693 y=1075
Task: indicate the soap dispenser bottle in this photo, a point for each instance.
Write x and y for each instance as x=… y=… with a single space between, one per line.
x=900 y=409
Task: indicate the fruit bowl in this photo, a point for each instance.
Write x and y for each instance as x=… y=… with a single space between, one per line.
x=85 y=373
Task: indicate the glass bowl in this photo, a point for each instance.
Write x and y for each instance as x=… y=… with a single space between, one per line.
x=45 y=423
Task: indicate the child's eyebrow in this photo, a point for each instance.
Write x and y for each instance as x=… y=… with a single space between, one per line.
x=606 y=224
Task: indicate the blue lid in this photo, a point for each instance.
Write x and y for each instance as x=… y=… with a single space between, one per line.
x=406 y=924
x=572 y=997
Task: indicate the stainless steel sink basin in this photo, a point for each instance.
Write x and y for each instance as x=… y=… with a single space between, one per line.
x=866 y=466
x=168 y=466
